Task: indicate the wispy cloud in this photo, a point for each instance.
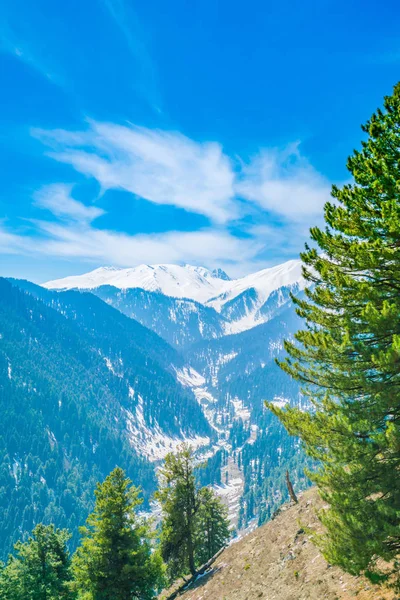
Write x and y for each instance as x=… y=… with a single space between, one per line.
x=163 y=167
x=279 y=190
x=18 y=38
x=284 y=183
x=75 y=237
x=57 y=198
x=126 y=20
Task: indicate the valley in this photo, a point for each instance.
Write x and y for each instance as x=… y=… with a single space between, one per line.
x=138 y=372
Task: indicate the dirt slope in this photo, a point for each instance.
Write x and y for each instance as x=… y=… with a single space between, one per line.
x=278 y=562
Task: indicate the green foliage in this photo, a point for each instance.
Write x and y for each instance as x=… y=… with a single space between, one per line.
x=115 y=559
x=348 y=357
x=41 y=568
x=180 y=505
x=194 y=523
x=212 y=525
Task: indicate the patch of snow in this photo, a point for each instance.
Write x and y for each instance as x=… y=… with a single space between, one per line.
x=111 y=367
x=241 y=411
x=152 y=442
x=222 y=359
x=280 y=402
x=189 y=377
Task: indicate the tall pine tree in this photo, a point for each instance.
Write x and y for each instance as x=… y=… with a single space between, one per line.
x=180 y=505
x=212 y=525
x=194 y=525
x=348 y=356
x=115 y=559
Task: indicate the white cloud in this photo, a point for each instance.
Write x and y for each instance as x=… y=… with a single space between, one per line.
x=283 y=193
x=73 y=236
x=169 y=168
x=206 y=246
x=86 y=243
x=57 y=198
x=163 y=167
x=284 y=183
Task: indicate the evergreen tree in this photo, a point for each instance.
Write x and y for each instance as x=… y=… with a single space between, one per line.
x=195 y=524
x=348 y=357
x=180 y=504
x=40 y=570
x=212 y=525
x=115 y=558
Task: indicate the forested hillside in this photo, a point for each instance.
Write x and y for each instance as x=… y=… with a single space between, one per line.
x=82 y=389
x=241 y=372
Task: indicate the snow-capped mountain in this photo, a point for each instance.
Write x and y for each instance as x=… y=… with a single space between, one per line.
x=234 y=305
x=196 y=283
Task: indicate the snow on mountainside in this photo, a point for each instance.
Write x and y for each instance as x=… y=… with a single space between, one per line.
x=196 y=283
x=263 y=282
x=241 y=303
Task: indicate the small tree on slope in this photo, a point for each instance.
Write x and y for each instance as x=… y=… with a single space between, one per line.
x=348 y=357
x=180 y=505
x=115 y=559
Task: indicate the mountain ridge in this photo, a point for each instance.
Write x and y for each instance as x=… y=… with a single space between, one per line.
x=187 y=281
x=239 y=304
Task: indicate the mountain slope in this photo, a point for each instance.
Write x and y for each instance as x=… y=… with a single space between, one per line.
x=279 y=562
x=82 y=389
x=179 y=321
x=240 y=371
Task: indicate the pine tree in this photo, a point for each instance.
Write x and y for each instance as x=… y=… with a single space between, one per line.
x=180 y=504
x=213 y=530
x=348 y=357
x=40 y=570
x=115 y=558
x=194 y=525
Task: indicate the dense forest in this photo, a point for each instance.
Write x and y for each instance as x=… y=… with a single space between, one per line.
x=64 y=411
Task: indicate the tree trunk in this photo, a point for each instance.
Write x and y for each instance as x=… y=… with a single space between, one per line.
x=190 y=548
x=290 y=489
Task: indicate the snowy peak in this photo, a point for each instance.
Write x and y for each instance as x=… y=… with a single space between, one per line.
x=262 y=282
x=196 y=283
x=220 y=274
x=238 y=304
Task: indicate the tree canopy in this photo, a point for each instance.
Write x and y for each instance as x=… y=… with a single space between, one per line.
x=194 y=525
x=115 y=559
x=40 y=568
x=348 y=355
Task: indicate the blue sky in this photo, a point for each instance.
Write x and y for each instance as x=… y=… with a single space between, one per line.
x=202 y=132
